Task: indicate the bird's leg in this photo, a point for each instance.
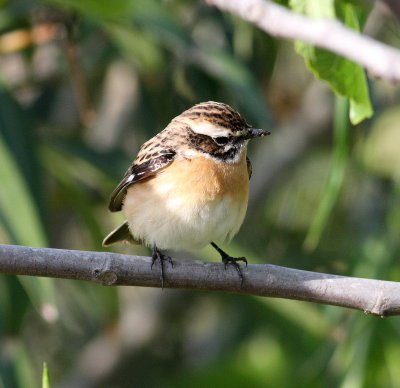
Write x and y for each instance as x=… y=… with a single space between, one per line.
x=227 y=259
x=157 y=255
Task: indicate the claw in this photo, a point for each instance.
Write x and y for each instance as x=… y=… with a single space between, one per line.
x=157 y=255
x=227 y=259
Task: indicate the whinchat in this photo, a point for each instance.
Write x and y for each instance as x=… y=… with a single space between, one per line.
x=189 y=184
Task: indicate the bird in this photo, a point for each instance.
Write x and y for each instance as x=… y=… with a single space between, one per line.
x=188 y=185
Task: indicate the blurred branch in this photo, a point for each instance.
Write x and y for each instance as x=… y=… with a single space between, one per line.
x=372 y=296
x=381 y=60
x=79 y=83
x=78 y=76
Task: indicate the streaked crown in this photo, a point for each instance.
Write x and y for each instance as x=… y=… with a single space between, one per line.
x=216 y=119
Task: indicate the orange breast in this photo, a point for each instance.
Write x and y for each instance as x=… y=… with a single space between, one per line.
x=207 y=178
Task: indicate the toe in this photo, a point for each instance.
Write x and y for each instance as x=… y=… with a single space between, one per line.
x=169 y=259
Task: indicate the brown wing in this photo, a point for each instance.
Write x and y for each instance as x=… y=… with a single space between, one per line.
x=135 y=173
x=249 y=167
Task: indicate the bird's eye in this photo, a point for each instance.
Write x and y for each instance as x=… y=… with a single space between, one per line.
x=221 y=140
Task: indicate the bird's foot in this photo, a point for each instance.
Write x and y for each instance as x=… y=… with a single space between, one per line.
x=227 y=259
x=157 y=255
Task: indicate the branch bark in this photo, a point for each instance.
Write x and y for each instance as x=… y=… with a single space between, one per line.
x=371 y=296
x=379 y=59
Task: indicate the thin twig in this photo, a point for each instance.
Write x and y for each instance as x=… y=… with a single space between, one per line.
x=371 y=296
x=379 y=59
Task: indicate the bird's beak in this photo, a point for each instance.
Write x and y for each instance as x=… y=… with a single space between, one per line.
x=253 y=132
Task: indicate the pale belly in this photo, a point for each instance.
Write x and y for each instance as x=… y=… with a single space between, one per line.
x=182 y=211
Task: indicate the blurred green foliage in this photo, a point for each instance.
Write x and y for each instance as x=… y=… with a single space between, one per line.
x=83 y=84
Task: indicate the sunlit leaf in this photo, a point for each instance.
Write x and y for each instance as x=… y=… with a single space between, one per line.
x=45 y=376
x=344 y=76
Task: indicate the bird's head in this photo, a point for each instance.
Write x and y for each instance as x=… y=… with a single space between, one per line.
x=217 y=129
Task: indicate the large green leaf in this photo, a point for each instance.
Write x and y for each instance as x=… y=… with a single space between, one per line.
x=344 y=76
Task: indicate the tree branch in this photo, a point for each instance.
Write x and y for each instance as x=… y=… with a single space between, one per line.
x=381 y=60
x=372 y=296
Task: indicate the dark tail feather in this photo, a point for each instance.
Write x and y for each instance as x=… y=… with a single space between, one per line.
x=120 y=234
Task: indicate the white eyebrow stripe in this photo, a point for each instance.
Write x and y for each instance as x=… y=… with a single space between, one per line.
x=211 y=130
x=130 y=178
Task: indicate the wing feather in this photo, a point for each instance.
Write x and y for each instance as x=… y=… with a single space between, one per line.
x=138 y=172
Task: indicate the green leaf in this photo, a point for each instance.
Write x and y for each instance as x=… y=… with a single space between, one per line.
x=45 y=377
x=345 y=77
